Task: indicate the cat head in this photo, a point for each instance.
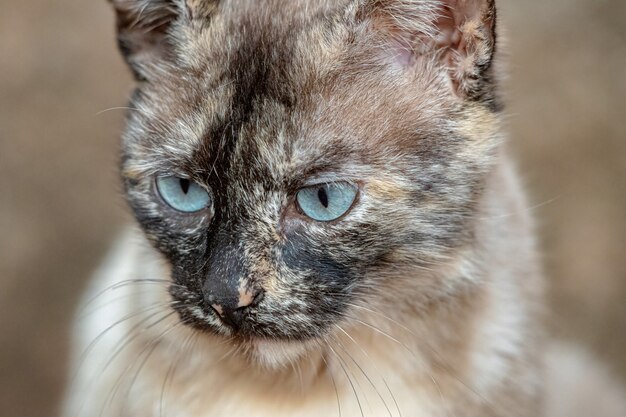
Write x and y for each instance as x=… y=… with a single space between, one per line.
x=294 y=160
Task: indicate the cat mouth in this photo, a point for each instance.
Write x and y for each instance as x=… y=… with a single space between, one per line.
x=267 y=333
x=264 y=320
x=267 y=349
x=241 y=326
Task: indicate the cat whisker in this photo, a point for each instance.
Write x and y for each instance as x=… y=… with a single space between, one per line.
x=375 y=367
x=404 y=346
x=440 y=361
x=99 y=337
x=150 y=349
x=356 y=379
x=125 y=298
x=332 y=379
x=110 y=109
x=134 y=333
x=298 y=370
x=169 y=376
x=155 y=344
x=338 y=343
x=523 y=210
x=93 y=343
x=341 y=364
x=121 y=284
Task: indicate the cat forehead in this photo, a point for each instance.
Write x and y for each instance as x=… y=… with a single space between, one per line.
x=275 y=90
x=336 y=125
x=273 y=29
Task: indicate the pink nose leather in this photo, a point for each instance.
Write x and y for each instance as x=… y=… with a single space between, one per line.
x=234 y=314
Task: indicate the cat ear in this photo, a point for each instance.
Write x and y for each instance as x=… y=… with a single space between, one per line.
x=458 y=36
x=145 y=29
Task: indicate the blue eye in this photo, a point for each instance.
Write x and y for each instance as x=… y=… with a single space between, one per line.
x=327 y=202
x=183 y=194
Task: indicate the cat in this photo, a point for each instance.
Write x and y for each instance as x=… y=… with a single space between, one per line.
x=329 y=223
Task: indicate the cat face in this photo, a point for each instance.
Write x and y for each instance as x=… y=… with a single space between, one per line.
x=292 y=160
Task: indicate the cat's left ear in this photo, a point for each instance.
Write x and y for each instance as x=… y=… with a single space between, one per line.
x=457 y=36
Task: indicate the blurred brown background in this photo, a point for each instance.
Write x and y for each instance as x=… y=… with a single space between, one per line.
x=60 y=203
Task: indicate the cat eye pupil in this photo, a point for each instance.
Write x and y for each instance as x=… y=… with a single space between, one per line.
x=321 y=194
x=184 y=185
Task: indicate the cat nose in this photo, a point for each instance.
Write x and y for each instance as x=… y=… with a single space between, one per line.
x=232 y=310
x=229 y=288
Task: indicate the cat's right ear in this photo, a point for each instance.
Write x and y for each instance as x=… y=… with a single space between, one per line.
x=147 y=30
x=142 y=33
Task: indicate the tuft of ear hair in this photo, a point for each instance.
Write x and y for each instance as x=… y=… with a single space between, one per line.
x=458 y=36
x=145 y=29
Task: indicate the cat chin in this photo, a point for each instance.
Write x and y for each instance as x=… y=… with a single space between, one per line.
x=276 y=354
